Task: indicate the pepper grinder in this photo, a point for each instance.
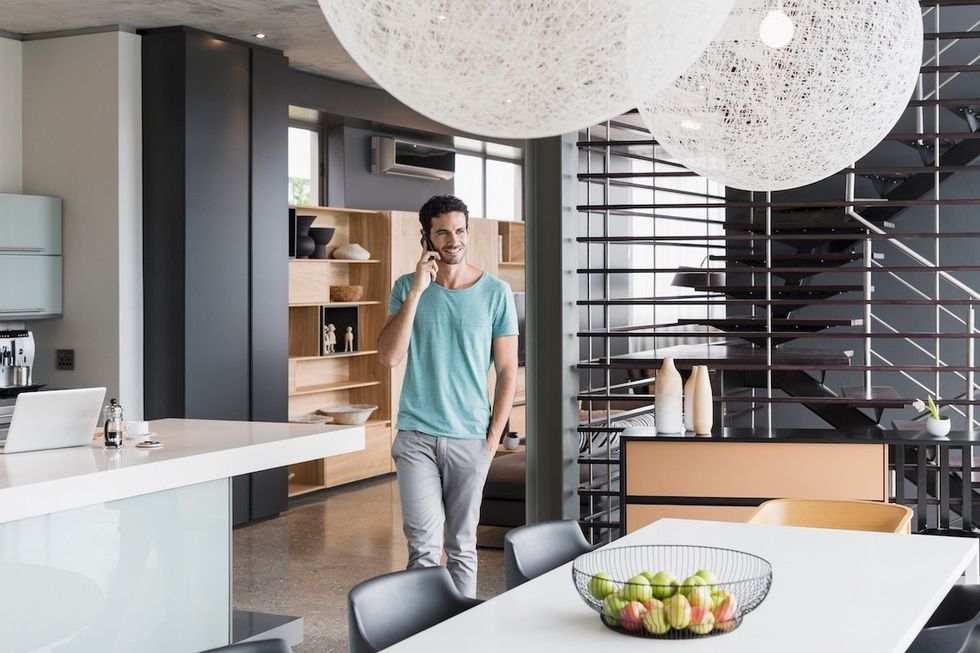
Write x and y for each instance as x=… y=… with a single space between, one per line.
x=113 y=428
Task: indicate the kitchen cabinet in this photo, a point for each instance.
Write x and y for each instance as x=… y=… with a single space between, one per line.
x=37 y=291
x=30 y=252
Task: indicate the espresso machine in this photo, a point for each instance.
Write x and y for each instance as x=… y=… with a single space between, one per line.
x=16 y=361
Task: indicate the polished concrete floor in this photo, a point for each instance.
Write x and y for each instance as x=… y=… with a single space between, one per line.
x=305 y=561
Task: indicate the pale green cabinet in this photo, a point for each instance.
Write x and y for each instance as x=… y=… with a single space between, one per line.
x=30 y=257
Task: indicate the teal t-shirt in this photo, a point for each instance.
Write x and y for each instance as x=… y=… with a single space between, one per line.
x=450 y=354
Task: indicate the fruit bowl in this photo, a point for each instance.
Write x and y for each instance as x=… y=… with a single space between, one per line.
x=671 y=591
x=351 y=414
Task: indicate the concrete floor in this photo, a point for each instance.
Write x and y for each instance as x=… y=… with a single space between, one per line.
x=305 y=561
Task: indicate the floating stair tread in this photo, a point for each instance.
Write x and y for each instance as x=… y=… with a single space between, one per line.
x=782 y=292
x=730 y=355
x=881 y=396
x=782 y=323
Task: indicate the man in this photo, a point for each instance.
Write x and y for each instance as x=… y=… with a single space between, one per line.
x=452 y=320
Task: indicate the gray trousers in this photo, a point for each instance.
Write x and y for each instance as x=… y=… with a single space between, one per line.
x=440 y=481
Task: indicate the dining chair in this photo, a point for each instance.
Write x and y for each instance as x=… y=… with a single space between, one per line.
x=260 y=646
x=532 y=550
x=845 y=515
x=424 y=597
x=951 y=628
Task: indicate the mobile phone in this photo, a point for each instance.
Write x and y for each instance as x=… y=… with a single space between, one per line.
x=426 y=242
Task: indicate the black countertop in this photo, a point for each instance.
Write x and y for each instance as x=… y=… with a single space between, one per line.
x=820 y=436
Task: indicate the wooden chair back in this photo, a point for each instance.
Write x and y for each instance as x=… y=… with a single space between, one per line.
x=844 y=515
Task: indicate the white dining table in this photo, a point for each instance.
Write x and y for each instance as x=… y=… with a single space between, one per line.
x=832 y=591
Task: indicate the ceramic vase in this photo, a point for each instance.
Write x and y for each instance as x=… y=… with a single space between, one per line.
x=667 y=405
x=703 y=405
x=351 y=252
x=321 y=237
x=689 y=399
x=304 y=242
x=938 y=426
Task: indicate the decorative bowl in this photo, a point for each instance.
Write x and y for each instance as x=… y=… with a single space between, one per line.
x=351 y=252
x=346 y=293
x=349 y=413
x=711 y=593
x=311 y=418
x=321 y=237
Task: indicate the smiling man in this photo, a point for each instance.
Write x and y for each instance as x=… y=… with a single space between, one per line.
x=452 y=320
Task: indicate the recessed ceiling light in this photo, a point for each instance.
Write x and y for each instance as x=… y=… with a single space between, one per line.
x=260 y=35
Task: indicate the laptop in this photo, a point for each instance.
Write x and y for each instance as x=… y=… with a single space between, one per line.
x=53 y=419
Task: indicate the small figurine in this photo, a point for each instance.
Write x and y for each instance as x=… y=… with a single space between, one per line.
x=349 y=339
x=329 y=339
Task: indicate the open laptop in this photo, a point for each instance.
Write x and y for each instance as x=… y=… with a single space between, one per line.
x=53 y=419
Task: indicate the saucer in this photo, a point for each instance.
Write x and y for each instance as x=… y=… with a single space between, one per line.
x=144 y=436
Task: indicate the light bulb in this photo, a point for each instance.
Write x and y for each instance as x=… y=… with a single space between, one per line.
x=693 y=125
x=776 y=29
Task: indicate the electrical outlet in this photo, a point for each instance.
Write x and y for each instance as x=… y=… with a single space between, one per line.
x=66 y=359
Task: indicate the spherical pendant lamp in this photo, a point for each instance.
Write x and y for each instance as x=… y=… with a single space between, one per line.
x=523 y=68
x=790 y=92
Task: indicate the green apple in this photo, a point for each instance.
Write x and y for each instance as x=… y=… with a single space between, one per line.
x=612 y=605
x=717 y=597
x=663 y=584
x=708 y=577
x=601 y=585
x=690 y=583
x=649 y=576
x=637 y=589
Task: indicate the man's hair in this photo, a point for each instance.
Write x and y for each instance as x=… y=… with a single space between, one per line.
x=439 y=204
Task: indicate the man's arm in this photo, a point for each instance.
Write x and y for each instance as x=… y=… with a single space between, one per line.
x=505 y=363
x=397 y=331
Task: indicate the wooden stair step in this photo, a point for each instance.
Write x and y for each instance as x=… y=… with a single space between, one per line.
x=882 y=396
x=782 y=292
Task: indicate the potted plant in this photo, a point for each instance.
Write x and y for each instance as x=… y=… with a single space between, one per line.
x=936 y=424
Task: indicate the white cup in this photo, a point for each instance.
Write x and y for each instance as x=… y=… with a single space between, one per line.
x=511 y=441
x=137 y=429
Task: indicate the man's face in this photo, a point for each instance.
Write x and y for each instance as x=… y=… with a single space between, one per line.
x=449 y=235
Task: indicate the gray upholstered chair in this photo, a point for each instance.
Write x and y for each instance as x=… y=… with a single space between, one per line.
x=532 y=550
x=261 y=646
x=371 y=623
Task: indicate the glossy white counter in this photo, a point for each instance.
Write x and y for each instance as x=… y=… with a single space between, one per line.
x=195 y=451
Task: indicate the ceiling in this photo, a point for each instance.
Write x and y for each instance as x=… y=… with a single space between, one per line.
x=297 y=27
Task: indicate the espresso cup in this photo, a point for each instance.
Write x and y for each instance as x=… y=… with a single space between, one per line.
x=137 y=429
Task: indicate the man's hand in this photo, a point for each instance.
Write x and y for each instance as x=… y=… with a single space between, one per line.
x=493 y=442
x=425 y=270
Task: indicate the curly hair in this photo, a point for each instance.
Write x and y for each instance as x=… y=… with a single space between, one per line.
x=439 y=204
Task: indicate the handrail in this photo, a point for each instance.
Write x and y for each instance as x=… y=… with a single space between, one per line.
x=955 y=409
x=936 y=56
x=902 y=247
x=919 y=292
x=925 y=351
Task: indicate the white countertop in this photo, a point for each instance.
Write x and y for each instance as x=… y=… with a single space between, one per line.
x=195 y=451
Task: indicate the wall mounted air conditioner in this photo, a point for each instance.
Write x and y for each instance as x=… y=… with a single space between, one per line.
x=394 y=156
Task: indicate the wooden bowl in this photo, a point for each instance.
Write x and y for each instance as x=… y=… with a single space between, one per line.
x=352 y=414
x=346 y=293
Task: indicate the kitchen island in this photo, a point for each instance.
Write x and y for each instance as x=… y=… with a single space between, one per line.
x=130 y=550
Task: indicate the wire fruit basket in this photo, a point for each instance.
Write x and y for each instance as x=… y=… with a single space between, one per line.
x=671 y=591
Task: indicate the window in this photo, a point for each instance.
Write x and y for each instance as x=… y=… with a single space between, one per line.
x=304 y=166
x=490 y=179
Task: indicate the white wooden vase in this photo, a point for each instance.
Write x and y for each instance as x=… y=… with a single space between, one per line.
x=703 y=408
x=669 y=399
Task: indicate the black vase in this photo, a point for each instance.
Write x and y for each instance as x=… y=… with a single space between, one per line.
x=304 y=243
x=321 y=236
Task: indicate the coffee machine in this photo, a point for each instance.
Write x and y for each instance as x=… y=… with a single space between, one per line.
x=16 y=360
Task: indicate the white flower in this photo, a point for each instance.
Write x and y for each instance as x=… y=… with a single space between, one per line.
x=919 y=405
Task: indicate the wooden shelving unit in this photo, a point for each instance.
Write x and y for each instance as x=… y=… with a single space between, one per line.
x=317 y=379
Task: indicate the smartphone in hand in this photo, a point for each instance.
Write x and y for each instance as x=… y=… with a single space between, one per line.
x=426 y=242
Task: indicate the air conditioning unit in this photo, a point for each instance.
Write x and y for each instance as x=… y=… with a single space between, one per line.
x=394 y=156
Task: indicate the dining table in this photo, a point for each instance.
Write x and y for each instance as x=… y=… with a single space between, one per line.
x=833 y=591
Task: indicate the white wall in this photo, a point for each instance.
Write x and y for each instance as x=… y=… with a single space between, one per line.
x=11 y=141
x=82 y=142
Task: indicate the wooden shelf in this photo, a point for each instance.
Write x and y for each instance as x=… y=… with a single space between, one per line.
x=334 y=304
x=343 y=354
x=299 y=489
x=378 y=422
x=333 y=260
x=332 y=387
x=334 y=209
x=511 y=264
